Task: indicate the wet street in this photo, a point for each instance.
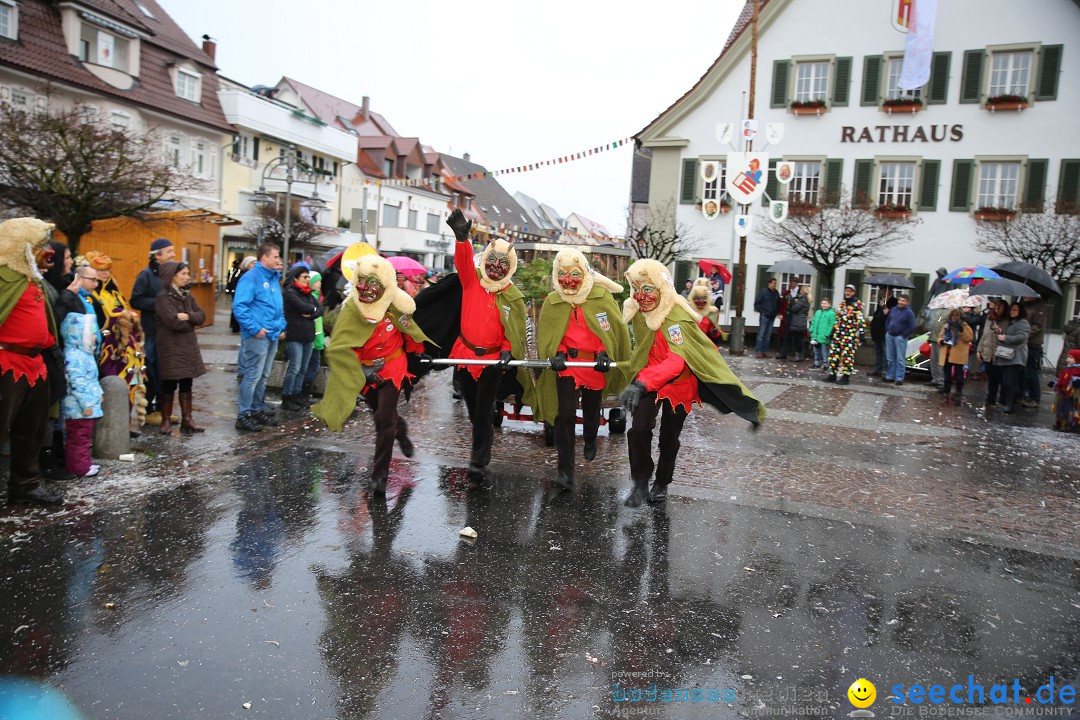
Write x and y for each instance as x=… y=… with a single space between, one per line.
x=866 y=531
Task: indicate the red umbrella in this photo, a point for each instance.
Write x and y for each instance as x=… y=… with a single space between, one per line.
x=710 y=266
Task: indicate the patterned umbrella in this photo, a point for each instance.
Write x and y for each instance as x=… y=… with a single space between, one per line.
x=958 y=298
x=964 y=275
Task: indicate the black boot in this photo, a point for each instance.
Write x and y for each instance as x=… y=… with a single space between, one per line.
x=305 y=392
x=564 y=480
x=476 y=474
x=406 y=445
x=590 y=450
x=377 y=486
x=290 y=403
x=638 y=495
x=831 y=377
x=843 y=380
x=658 y=494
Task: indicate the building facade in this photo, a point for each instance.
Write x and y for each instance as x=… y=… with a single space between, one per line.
x=991 y=134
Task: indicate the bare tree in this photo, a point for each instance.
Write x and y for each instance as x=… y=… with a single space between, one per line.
x=67 y=167
x=1048 y=238
x=660 y=236
x=830 y=238
x=269 y=225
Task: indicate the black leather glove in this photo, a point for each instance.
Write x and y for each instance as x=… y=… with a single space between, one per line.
x=372 y=376
x=603 y=362
x=558 y=363
x=459 y=225
x=504 y=359
x=632 y=396
x=425 y=358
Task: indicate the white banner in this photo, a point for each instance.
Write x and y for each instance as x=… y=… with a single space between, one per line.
x=742 y=225
x=106 y=49
x=778 y=211
x=919 y=50
x=747 y=174
x=785 y=172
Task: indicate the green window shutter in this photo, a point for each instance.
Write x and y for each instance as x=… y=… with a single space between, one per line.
x=921 y=281
x=255 y=149
x=780 y=70
x=960 y=197
x=772 y=187
x=1055 y=314
x=689 y=181
x=971 y=78
x=938 y=92
x=763 y=277
x=1035 y=188
x=834 y=176
x=860 y=191
x=1068 y=195
x=841 y=82
x=1049 y=69
x=931 y=173
x=871 y=79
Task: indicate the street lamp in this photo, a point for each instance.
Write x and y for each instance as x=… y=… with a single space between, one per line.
x=262 y=197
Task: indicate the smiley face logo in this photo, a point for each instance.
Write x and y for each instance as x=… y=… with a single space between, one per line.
x=862 y=693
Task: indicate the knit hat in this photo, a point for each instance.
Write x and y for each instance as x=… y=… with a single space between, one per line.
x=851 y=288
x=1074 y=355
x=160 y=244
x=98 y=260
x=247 y=262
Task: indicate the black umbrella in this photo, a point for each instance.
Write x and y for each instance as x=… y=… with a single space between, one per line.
x=1002 y=286
x=888 y=280
x=1029 y=274
x=792 y=266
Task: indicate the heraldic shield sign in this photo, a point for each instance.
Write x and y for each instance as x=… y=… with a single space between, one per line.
x=747 y=173
x=778 y=211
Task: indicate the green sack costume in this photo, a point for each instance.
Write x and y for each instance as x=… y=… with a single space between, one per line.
x=551 y=327
x=717 y=385
x=346 y=380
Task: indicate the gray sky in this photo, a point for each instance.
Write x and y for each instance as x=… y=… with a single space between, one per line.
x=509 y=82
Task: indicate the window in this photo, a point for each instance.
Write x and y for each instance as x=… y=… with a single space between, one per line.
x=1010 y=73
x=200 y=159
x=21 y=99
x=713 y=189
x=187 y=85
x=103 y=48
x=785 y=278
x=433 y=223
x=391 y=215
x=119 y=120
x=812 y=81
x=173 y=144
x=9 y=20
x=805 y=184
x=896 y=184
x=892 y=89
x=145 y=10
x=388 y=167
x=997 y=185
x=414 y=219
x=1076 y=302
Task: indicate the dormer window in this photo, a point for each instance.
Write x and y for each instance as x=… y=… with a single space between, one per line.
x=101 y=47
x=188 y=84
x=9 y=19
x=145 y=10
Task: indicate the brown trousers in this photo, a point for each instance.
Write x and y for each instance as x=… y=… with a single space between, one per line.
x=639 y=440
x=389 y=426
x=24 y=412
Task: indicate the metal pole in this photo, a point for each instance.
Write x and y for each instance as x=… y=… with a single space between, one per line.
x=739 y=324
x=363 y=217
x=290 y=162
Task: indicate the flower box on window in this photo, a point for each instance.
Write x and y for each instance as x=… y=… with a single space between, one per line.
x=808 y=107
x=1006 y=102
x=798 y=207
x=995 y=214
x=893 y=211
x=902 y=105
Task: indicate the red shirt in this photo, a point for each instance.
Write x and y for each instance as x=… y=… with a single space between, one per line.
x=578 y=335
x=387 y=340
x=710 y=330
x=26 y=326
x=480 y=320
x=663 y=374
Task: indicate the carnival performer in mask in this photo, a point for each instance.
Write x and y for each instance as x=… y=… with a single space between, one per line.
x=367 y=355
x=700 y=298
x=580 y=321
x=492 y=328
x=674 y=365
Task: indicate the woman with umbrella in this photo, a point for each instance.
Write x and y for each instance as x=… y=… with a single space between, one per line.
x=1011 y=354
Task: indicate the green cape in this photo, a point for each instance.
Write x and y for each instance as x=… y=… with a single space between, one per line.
x=11 y=289
x=511 y=305
x=346 y=379
x=554 y=318
x=717 y=385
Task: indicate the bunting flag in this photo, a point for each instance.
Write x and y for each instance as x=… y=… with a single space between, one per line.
x=531 y=167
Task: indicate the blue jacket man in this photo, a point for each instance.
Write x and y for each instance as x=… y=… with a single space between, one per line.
x=260 y=312
x=900 y=324
x=767 y=304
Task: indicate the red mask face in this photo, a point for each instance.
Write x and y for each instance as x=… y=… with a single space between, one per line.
x=701 y=302
x=497 y=266
x=369 y=289
x=647 y=297
x=44 y=258
x=570 y=280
